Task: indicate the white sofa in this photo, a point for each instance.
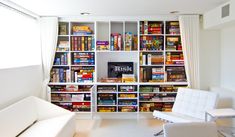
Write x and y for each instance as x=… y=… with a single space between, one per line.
x=34 y=117
x=190 y=106
x=194 y=129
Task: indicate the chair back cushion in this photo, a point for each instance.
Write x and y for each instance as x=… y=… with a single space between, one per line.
x=17 y=117
x=194 y=102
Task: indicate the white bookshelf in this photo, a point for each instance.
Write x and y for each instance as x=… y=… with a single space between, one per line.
x=102 y=31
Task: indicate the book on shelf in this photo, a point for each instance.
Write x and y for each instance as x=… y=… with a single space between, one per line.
x=127 y=102
x=106 y=109
x=106 y=88
x=149 y=89
x=60 y=75
x=83 y=74
x=127 y=95
x=151 y=27
x=106 y=99
x=116 y=42
x=63 y=29
x=102 y=45
x=176 y=58
x=82 y=43
x=81 y=30
x=63 y=45
x=158 y=74
x=128 y=78
x=173 y=43
x=81 y=106
x=127 y=108
x=176 y=74
x=151 y=43
x=172 y=27
x=71 y=88
x=61 y=59
x=127 y=88
x=130 y=41
x=83 y=58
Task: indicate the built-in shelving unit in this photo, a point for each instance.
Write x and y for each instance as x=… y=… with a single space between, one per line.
x=85 y=49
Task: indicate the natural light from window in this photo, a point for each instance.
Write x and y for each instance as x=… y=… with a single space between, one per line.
x=19 y=40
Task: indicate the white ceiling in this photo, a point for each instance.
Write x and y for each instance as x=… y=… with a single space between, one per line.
x=117 y=7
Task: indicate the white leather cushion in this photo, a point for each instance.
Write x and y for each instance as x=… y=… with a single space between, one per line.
x=17 y=117
x=196 y=129
x=54 y=127
x=194 y=102
x=175 y=117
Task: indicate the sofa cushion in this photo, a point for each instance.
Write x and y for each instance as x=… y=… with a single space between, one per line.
x=53 y=127
x=175 y=117
x=17 y=117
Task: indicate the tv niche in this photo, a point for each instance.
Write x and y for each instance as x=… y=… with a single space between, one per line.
x=116 y=69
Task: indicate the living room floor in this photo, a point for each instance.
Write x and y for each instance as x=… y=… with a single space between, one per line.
x=118 y=128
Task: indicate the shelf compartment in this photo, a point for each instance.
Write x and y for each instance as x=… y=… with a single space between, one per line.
x=155 y=97
x=75 y=106
x=176 y=74
x=173 y=27
x=131 y=39
x=152 y=74
x=127 y=102
x=83 y=58
x=106 y=99
x=151 y=27
x=151 y=58
x=173 y=43
x=68 y=97
x=174 y=58
x=63 y=43
x=127 y=108
x=83 y=74
x=61 y=58
x=127 y=95
x=82 y=28
x=116 y=36
x=151 y=106
x=106 y=109
x=60 y=74
x=102 y=42
x=82 y=43
x=63 y=28
x=106 y=88
x=152 y=43
x=127 y=88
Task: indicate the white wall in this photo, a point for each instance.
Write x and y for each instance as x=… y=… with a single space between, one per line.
x=17 y=83
x=228 y=58
x=209 y=60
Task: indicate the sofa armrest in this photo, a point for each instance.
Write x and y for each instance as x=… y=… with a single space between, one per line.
x=47 y=110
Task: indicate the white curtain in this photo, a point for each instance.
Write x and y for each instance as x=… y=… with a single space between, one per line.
x=189 y=27
x=49 y=33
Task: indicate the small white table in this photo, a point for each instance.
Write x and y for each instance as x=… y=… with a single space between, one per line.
x=221 y=113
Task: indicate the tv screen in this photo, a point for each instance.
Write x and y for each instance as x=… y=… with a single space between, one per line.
x=116 y=69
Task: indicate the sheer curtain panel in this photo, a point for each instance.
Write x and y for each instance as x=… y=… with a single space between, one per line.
x=49 y=33
x=189 y=27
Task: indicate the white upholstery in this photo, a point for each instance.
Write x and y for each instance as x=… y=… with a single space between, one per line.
x=195 y=129
x=51 y=120
x=190 y=106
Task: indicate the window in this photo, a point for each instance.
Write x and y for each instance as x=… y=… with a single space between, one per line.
x=19 y=40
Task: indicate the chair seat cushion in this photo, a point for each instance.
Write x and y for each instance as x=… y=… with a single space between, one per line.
x=49 y=127
x=175 y=117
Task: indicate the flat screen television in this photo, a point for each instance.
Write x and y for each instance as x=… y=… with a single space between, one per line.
x=116 y=69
